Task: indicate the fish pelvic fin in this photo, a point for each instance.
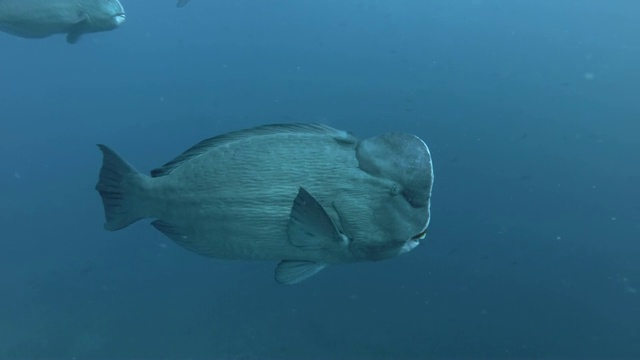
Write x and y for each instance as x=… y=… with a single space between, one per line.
x=120 y=186
x=73 y=37
x=289 y=272
x=77 y=29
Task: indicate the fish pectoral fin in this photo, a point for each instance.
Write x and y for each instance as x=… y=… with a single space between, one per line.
x=310 y=227
x=289 y=272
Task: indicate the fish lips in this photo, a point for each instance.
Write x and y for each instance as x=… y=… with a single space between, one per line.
x=119 y=18
x=408 y=246
x=382 y=251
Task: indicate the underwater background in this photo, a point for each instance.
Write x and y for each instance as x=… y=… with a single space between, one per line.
x=531 y=109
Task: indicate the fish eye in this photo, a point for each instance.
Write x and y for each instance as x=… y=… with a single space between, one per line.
x=420 y=236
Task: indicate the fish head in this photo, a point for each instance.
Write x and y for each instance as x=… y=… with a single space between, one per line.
x=103 y=15
x=398 y=211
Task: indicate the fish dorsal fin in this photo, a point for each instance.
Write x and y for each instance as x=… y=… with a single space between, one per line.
x=221 y=140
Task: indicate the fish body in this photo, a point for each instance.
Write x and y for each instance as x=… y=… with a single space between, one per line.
x=307 y=195
x=37 y=19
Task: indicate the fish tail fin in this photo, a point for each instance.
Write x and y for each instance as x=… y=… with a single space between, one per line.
x=120 y=186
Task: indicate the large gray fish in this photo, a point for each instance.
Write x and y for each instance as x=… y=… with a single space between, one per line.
x=36 y=19
x=305 y=194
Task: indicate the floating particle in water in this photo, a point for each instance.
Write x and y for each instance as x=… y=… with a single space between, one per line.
x=627 y=286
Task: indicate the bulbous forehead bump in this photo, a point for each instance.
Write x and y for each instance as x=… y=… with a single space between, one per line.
x=403 y=158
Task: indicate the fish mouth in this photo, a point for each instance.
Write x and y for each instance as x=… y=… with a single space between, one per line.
x=120 y=18
x=413 y=242
x=409 y=245
x=420 y=236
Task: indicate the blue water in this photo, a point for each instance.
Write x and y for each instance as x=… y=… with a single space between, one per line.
x=531 y=110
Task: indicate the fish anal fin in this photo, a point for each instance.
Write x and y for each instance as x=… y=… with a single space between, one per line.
x=289 y=272
x=181 y=237
x=172 y=232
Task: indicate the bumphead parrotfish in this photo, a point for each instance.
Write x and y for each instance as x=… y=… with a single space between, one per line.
x=35 y=19
x=306 y=195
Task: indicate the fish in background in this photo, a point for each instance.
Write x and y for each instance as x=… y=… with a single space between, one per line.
x=36 y=19
x=306 y=195
x=182 y=3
